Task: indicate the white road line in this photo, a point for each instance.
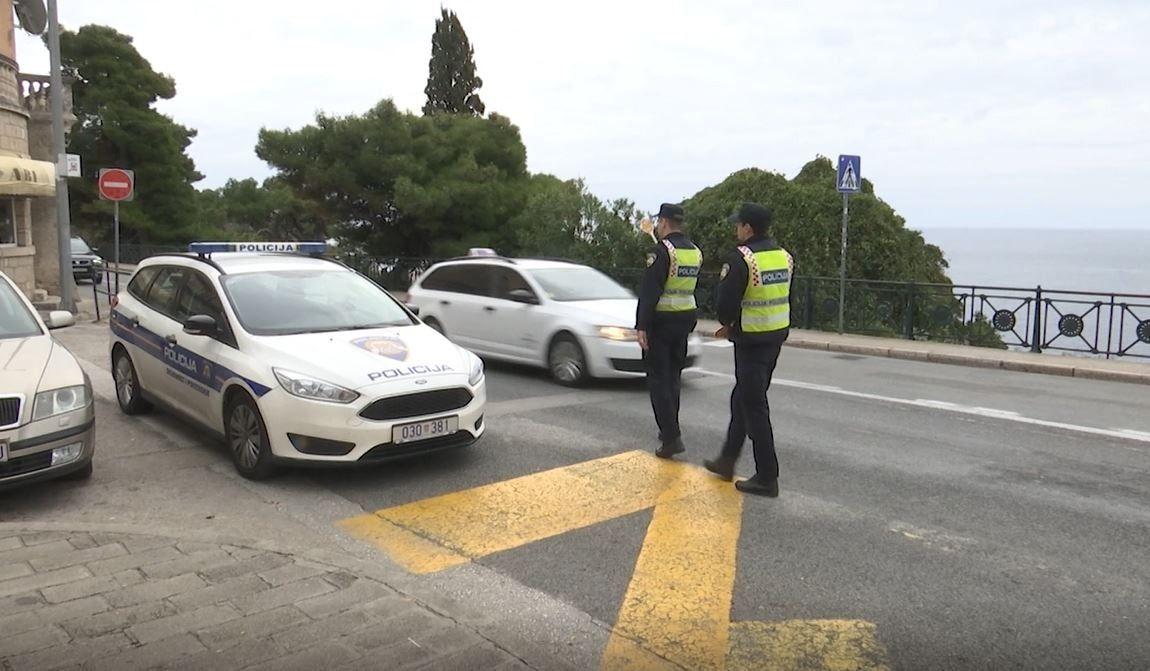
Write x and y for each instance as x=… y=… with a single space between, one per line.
x=720 y=344
x=1007 y=415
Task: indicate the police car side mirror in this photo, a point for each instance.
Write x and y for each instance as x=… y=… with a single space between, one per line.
x=201 y=325
x=523 y=296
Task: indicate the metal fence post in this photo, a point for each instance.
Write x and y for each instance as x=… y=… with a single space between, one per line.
x=809 y=310
x=1036 y=337
x=908 y=314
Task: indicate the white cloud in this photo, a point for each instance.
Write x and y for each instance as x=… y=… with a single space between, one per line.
x=967 y=114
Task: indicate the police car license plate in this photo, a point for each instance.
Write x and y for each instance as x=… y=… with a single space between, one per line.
x=432 y=428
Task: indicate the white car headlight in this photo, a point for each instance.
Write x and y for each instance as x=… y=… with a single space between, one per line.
x=476 y=375
x=618 y=333
x=60 y=401
x=303 y=386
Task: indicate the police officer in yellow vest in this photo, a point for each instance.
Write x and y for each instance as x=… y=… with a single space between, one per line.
x=666 y=318
x=753 y=306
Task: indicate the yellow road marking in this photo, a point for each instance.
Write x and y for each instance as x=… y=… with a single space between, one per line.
x=676 y=613
x=413 y=552
x=492 y=518
x=679 y=601
x=806 y=645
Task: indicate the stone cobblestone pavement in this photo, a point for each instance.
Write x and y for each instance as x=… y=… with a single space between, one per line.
x=80 y=600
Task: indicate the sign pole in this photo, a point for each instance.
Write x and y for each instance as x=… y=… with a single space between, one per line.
x=848 y=181
x=843 y=264
x=116 y=239
x=63 y=221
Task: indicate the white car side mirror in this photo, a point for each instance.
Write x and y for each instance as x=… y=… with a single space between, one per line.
x=58 y=319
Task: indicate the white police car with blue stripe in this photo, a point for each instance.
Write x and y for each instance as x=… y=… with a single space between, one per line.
x=290 y=357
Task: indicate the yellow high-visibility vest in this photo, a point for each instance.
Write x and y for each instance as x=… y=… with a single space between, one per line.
x=766 y=303
x=682 y=277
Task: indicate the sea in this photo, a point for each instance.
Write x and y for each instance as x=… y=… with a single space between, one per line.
x=1102 y=261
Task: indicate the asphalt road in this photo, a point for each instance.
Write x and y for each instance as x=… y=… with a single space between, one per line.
x=978 y=518
x=970 y=536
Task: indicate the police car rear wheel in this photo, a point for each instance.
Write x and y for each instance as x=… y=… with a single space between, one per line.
x=128 y=393
x=566 y=361
x=248 y=439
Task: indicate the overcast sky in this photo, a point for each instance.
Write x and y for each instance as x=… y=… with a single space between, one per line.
x=982 y=113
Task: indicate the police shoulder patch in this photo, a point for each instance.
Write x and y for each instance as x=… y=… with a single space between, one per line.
x=726 y=269
x=650 y=259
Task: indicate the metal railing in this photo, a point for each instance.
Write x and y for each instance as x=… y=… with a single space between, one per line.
x=113 y=281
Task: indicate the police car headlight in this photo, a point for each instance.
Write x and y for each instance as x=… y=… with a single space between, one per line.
x=60 y=401
x=618 y=333
x=476 y=371
x=311 y=388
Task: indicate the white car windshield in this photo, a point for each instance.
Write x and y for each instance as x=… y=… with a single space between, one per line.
x=579 y=283
x=80 y=247
x=310 y=301
x=15 y=319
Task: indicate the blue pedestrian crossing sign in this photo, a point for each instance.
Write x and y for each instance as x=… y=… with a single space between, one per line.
x=849 y=178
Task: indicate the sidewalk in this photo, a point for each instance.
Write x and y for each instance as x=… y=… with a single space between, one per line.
x=98 y=600
x=964 y=355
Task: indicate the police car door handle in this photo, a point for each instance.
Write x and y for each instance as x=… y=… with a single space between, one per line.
x=171 y=338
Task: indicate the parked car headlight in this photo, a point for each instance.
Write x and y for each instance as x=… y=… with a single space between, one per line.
x=60 y=401
x=303 y=386
x=476 y=375
x=618 y=333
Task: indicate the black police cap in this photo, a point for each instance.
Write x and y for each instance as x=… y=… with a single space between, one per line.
x=754 y=215
x=670 y=211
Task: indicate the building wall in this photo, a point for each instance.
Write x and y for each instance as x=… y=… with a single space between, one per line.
x=19 y=261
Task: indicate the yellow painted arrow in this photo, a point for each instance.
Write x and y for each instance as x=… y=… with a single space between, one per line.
x=676 y=613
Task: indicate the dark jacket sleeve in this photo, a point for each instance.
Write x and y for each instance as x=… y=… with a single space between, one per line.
x=651 y=288
x=729 y=301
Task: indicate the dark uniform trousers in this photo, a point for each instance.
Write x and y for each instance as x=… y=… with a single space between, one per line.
x=665 y=358
x=750 y=412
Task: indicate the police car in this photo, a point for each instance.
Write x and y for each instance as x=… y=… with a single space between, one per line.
x=289 y=357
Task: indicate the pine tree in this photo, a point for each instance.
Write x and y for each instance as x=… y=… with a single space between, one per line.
x=452 y=85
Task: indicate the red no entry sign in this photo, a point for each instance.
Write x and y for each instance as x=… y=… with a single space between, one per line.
x=116 y=184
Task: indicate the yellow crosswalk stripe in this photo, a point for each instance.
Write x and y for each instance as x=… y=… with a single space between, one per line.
x=806 y=645
x=679 y=600
x=676 y=612
x=492 y=518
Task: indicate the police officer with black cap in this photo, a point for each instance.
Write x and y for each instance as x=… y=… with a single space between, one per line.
x=666 y=317
x=753 y=306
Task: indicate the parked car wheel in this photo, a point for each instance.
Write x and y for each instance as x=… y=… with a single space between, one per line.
x=247 y=438
x=129 y=394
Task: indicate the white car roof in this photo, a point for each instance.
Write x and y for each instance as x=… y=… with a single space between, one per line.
x=522 y=264
x=247 y=262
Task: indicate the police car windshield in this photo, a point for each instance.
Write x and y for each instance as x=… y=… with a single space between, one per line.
x=310 y=301
x=579 y=283
x=15 y=319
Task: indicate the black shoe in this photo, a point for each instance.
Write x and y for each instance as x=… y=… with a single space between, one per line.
x=724 y=468
x=767 y=488
x=668 y=450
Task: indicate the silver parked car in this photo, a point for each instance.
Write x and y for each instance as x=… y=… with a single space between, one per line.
x=47 y=419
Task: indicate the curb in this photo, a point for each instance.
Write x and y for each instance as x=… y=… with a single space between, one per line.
x=1085 y=372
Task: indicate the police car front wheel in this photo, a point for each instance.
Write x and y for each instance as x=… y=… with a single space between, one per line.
x=128 y=393
x=248 y=439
